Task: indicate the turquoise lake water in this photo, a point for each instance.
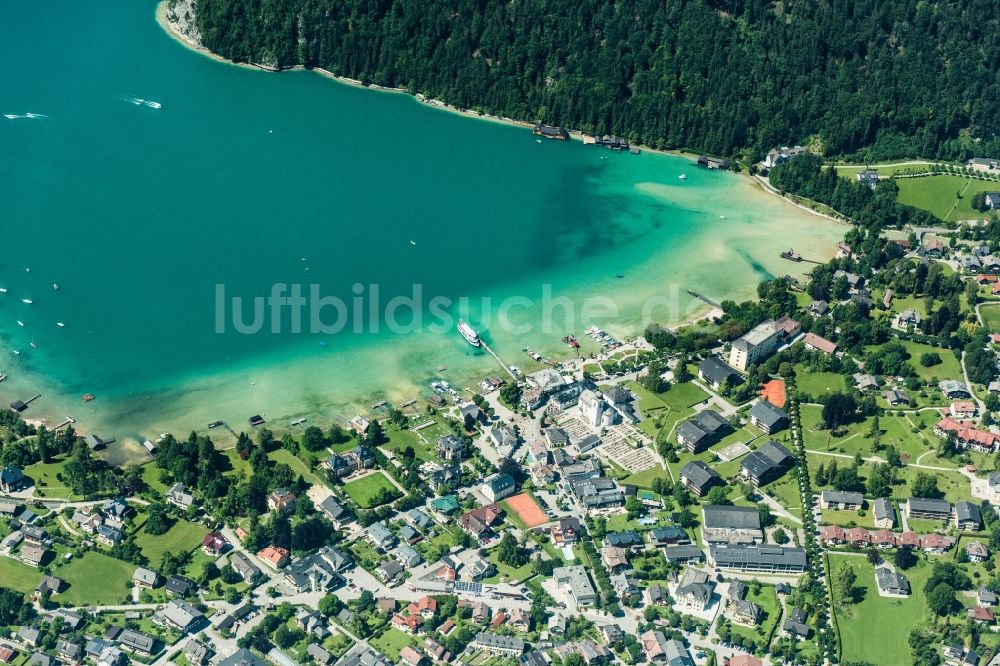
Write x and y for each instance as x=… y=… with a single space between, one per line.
x=246 y=179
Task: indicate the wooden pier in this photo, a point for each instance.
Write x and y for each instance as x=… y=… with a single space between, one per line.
x=704 y=298
x=64 y=423
x=499 y=360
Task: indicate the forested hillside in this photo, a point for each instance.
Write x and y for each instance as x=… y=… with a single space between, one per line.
x=880 y=78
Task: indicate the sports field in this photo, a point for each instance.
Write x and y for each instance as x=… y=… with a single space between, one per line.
x=527 y=510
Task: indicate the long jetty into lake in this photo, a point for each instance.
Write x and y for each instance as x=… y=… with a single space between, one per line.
x=499 y=360
x=704 y=298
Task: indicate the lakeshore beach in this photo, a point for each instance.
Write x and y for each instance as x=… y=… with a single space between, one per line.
x=246 y=181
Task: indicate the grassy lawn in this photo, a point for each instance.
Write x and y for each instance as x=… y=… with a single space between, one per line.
x=818 y=384
x=182 y=537
x=644 y=479
x=46 y=483
x=299 y=467
x=991 y=317
x=893 y=617
x=239 y=466
x=682 y=396
x=95 y=579
x=849 y=518
x=947 y=369
x=151 y=476
x=364 y=490
x=937 y=194
x=18 y=576
x=507 y=573
x=786 y=491
x=648 y=402
x=767 y=599
x=399 y=440
x=391 y=642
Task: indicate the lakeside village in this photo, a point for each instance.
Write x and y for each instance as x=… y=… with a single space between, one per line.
x=760 y=488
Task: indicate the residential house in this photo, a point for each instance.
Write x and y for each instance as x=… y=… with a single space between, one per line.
x=795 y=625
x=196 y=652
x=746 y=612
x=884 y=513
x=615 y=559
x=450 y=447
x=179 y=615
x=659 y=650
x=281 y=500
x=762 y=558
x=565 y=531
x=730 y=524
x=379 y=536
x=977 y=551
x=702 y=430
x=498 y=487
x=180 y=586
x=12 y=479
x=479 y=523
x=967 y=517
x=668 y=535
x=694 y=590
x=768 y=418
x=981 y=615
x=336 y=512
x=247 y=570
x=891 y=583
x=178 y=495
x=717 y=374
x=214 y=544
x=510 y=646
x=319 y=571
x=816 y=343
x=954 y=389
x=699 y=478
x=927 y=508
x=684 y=554
x=841 y=501
x=577 y=582
x=760 y=342
x=145 y=578
x=137 y=642
x=389 y=571
x=276 y=557
x=766 y=464
x=411 y=656
x=34 y=556
x=623 y=539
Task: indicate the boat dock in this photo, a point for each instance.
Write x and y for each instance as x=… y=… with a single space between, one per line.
x=21 y=405
x=492 y=353
x=700 y=297
x=792 y=255
x=65 y=422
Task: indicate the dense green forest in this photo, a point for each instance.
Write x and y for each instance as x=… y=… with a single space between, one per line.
x=869 y=78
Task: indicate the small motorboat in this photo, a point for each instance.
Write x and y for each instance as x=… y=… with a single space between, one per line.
x=20 y=323
x=55 y=286
x=60 y=324
x=214 y=424
x=682 y=177
x=87 y=397
x=33 y=345
x=27 y=301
